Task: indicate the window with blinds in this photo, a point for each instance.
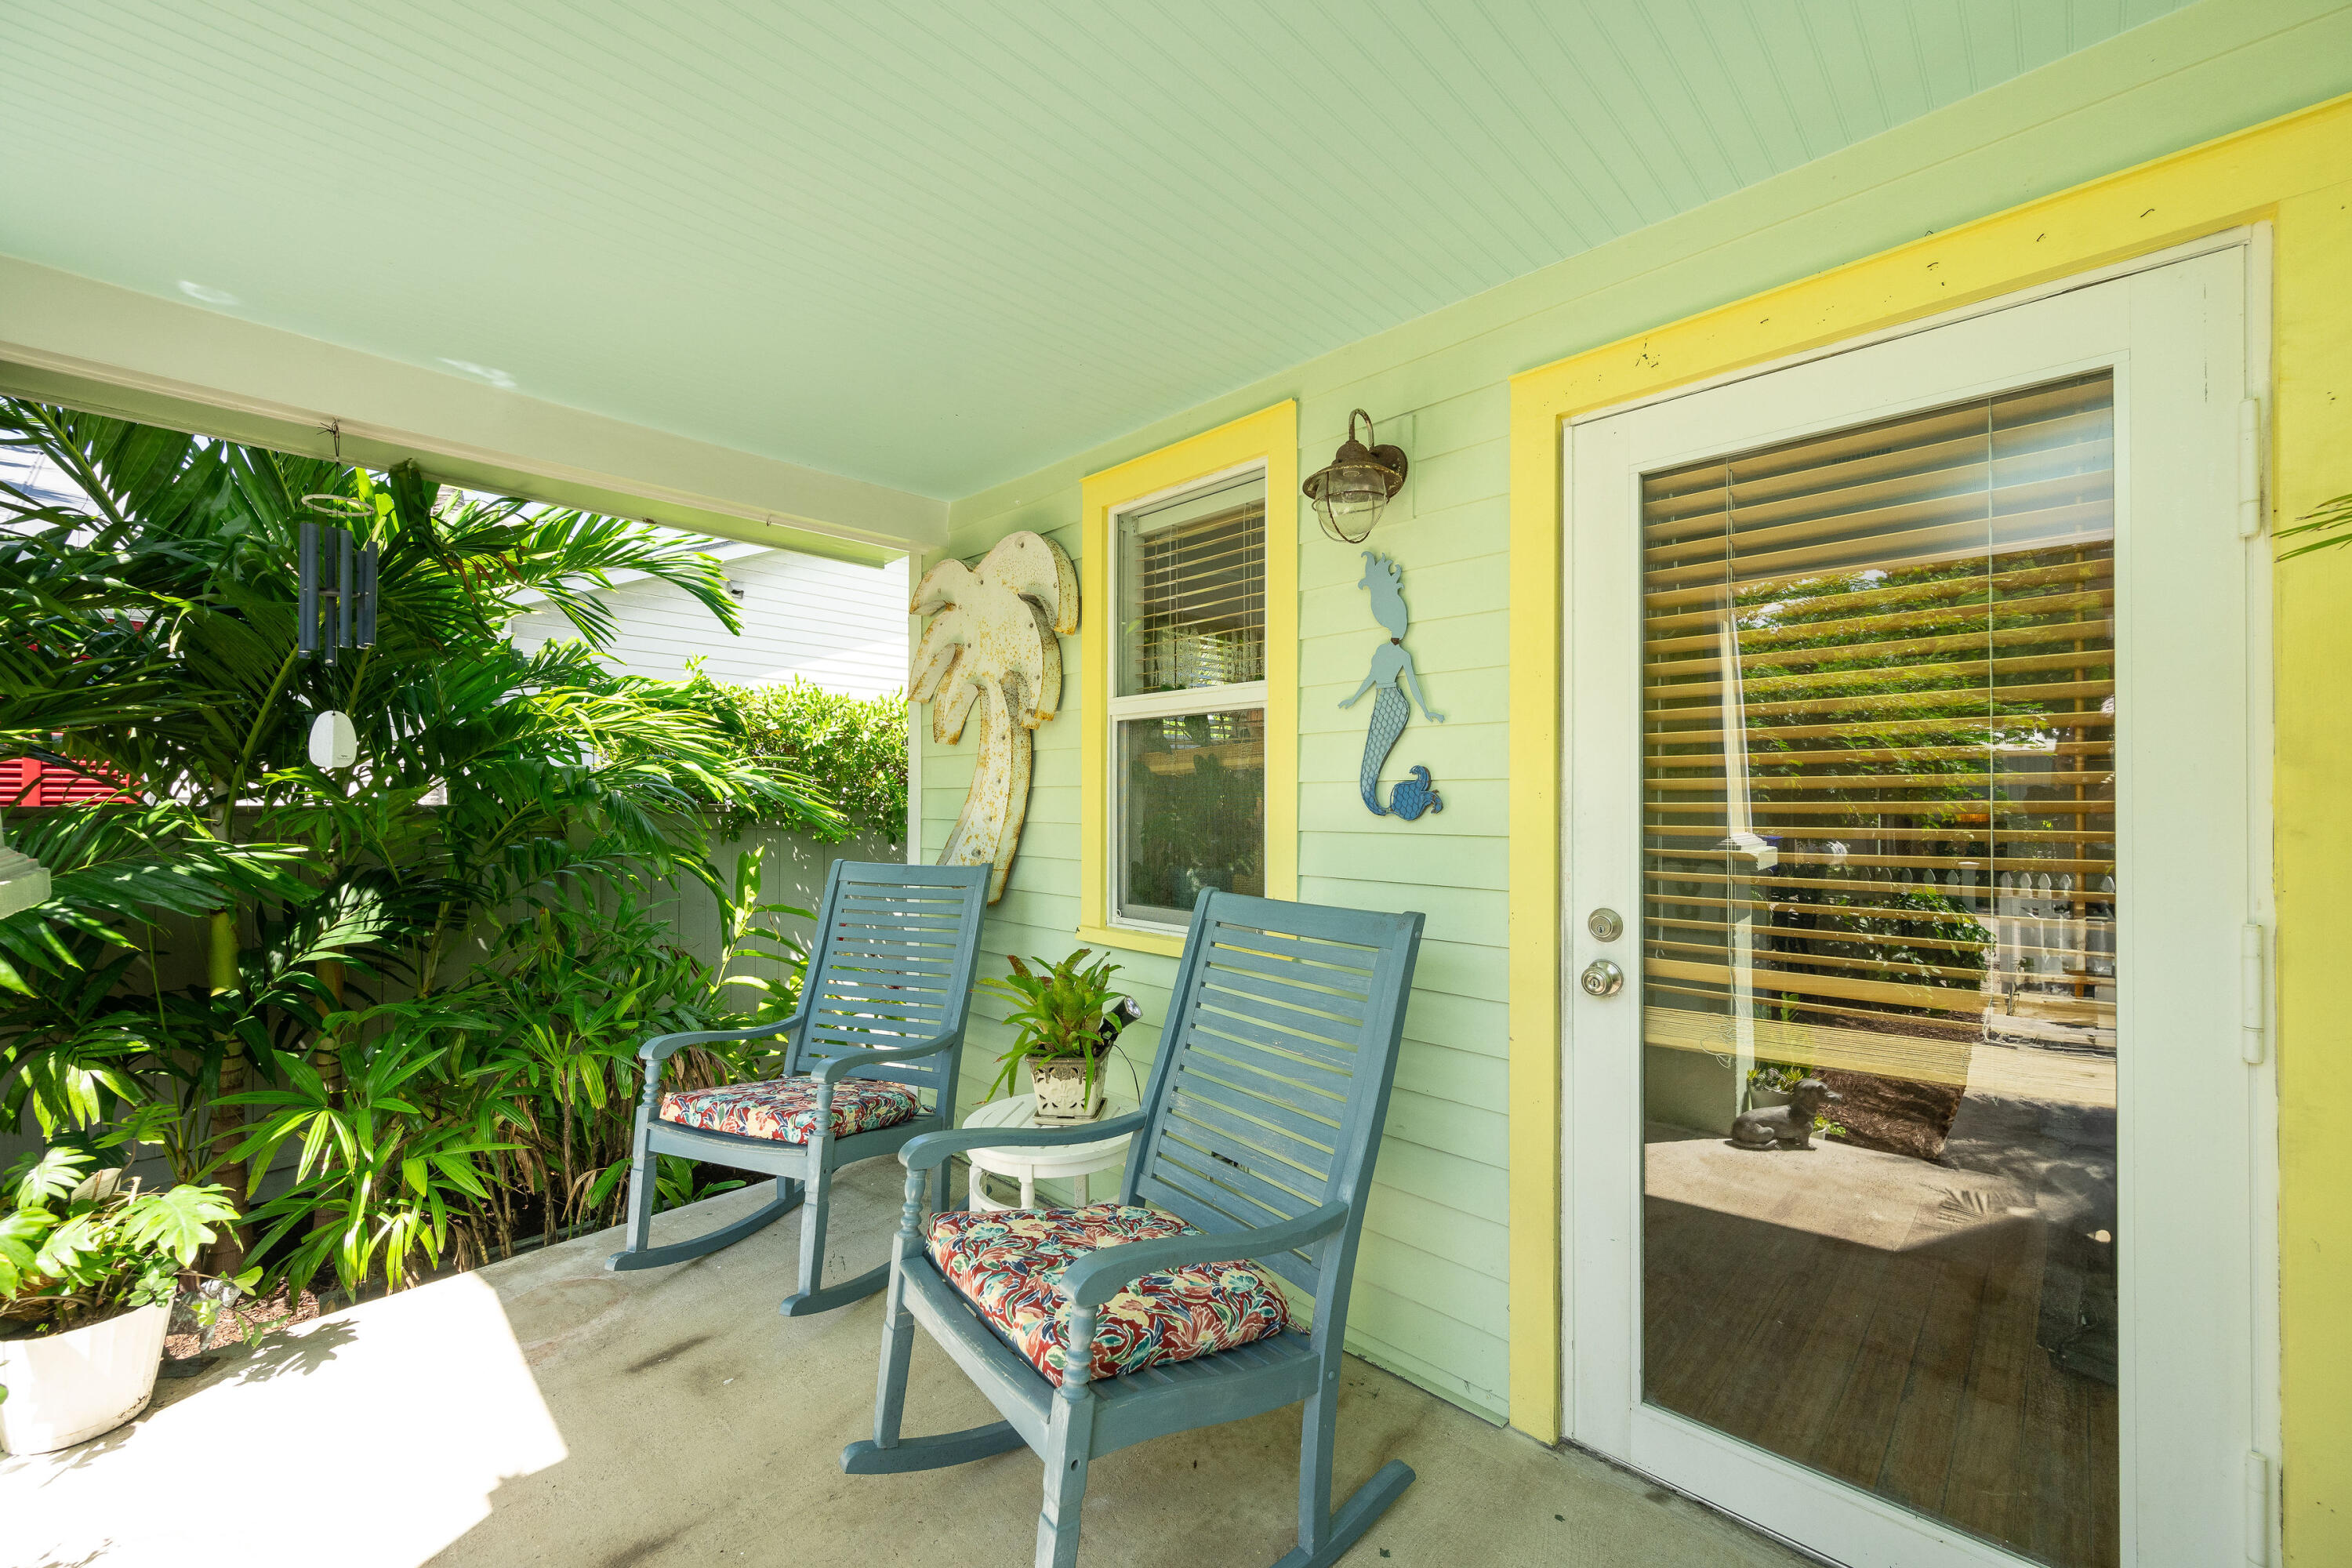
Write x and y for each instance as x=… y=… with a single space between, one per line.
x=1879 y=709
x=1187 y=711
x=1194 y=609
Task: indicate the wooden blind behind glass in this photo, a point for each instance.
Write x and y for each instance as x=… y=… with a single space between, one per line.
x=1879 y=714
x=1196 y=601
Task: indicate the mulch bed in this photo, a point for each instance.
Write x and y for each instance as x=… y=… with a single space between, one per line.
x=244 y=1322
x=1896 y=1116
x=251 y=1318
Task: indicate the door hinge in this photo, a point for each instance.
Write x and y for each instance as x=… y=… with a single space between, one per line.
x=2249 y=468
x=2252 y=1011
x=2258 y=1509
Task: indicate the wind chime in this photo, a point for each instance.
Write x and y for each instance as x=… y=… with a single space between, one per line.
x=330 y=620
x=350 y=621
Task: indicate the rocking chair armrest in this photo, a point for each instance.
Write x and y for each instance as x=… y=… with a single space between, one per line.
x=1098 y=1277
x=933 y=1148
x=660 y=1048
x=832 y=1072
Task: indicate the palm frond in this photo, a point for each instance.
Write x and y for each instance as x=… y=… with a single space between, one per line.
x=112 y=869
x=2325 y=518
x=567 y=553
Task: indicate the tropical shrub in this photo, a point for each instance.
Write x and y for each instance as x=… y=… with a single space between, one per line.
x=424 y=976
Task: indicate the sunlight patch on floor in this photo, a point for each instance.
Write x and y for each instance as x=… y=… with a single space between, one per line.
x=372 y=1438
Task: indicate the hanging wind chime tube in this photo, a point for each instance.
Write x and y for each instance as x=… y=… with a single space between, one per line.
x=354 y=617
x=367 y=595
x=343 y=589
x=306 y=601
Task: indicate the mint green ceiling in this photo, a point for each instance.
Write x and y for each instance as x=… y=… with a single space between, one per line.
x=928 y=245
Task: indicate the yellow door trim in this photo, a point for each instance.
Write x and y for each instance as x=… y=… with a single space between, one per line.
x=2295 y=170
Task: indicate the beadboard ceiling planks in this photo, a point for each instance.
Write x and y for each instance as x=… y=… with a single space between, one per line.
x=926 y=245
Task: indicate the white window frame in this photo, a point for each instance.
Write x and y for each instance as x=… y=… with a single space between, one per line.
x=1229 y=697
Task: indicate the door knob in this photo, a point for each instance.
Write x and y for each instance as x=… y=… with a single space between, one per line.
x=1602 y=978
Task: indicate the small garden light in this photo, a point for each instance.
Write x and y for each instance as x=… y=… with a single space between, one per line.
x=1361 y=479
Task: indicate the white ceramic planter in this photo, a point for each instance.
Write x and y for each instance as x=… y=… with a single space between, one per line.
x=67 y=1388
x=1060 y=1088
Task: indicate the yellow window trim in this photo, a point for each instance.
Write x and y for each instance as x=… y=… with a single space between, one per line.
x=1271 y=437
x=2293 y=171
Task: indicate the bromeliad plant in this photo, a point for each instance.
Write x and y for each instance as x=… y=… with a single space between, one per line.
x=1058 y=1014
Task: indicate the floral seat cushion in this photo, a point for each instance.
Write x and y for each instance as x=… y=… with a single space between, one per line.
x=1008 y=1266
x=784 y=1109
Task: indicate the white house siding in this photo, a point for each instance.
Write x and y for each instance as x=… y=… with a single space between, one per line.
x=838 y=625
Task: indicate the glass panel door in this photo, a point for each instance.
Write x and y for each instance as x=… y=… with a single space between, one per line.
x=1912 y=1150
x=1877 y=928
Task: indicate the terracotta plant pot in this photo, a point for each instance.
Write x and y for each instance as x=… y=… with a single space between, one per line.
x=1059 y=1083
x=67 y=1388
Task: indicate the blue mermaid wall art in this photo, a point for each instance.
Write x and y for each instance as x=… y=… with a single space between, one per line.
x=1392 y=672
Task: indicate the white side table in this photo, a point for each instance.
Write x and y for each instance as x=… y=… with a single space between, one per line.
x=1029 y=1166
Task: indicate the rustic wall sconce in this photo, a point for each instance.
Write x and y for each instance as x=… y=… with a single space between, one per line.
x=1361 y=479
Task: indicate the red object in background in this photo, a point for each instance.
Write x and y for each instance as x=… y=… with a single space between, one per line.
x=27 y=782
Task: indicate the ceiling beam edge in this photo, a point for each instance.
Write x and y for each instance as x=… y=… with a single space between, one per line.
x=74 y=341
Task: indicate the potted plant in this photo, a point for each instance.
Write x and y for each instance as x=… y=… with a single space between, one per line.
x=1067 y=1017
x=89 y=1267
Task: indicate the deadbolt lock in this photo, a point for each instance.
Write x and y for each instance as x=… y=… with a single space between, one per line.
x=1606 y=925
x=1602 y=978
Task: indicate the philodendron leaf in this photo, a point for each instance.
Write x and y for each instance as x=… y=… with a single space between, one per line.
x=56 y=1173
x=64 y=1248
x=20 y=1240
x=178 y=1221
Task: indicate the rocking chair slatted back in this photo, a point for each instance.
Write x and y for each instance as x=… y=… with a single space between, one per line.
x=894 y=966
x=1273 y=1076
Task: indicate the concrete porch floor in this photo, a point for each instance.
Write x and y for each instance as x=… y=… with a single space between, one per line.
x=542 y=1411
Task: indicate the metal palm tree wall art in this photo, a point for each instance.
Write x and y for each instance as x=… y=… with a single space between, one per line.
x=991 y=641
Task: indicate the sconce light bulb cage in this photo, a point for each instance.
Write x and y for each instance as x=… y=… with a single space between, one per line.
x=1361 y=479
x=353 y=622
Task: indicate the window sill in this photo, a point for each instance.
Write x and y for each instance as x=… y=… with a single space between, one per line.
x=1168 y=944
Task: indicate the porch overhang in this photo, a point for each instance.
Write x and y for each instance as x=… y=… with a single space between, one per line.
x=74 y=341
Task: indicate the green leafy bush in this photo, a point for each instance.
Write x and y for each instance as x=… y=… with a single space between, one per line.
x=854 y=748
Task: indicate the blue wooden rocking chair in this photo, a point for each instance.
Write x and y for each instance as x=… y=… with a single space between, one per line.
x=1256 y=1141
x=881 y=1017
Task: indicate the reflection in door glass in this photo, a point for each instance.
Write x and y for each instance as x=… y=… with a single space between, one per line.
x=1879 y=954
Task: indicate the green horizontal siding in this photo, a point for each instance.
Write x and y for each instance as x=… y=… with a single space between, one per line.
x=1431 y=1299
x=1431 y=1284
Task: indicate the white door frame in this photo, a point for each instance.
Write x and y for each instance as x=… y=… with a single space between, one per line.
x=1582 y=1421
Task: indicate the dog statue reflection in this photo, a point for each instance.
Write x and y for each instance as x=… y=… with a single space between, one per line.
x=1789 y=1126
